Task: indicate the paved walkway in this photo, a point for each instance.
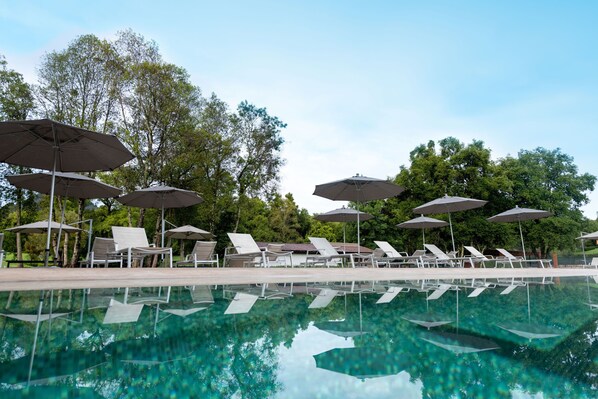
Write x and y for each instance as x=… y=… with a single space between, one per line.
x=54 y=278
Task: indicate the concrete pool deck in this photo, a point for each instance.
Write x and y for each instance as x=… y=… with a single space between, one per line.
x=55 y=278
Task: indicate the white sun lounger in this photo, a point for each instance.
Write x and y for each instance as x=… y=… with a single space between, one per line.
x=325 y=296
x=241 y=303
x=132 y=241
x=122 y=313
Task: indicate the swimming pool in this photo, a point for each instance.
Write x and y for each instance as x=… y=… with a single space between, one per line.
x=487 y=338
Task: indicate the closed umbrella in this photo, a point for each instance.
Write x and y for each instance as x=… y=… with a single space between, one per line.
x=46 y=144
x=66 y=185
x=423 y=223
x=448 y=204
x=517 y=215
x=161 y=197
x=358 y=189
x=343 y=215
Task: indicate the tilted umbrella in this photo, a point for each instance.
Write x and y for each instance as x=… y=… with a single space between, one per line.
x=66 y=185
x=161 y=197
x=517 y=215
x=46 y=144
x=343 y=215
x=358 y=189
x=448 y=204
x=423 y=223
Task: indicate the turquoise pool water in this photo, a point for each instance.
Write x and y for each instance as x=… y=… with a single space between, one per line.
x=511 y=338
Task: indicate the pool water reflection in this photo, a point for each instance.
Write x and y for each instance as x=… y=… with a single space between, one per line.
x=411 y=339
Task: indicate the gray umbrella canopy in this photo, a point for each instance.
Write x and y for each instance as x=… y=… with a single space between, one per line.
x=448 y=204
x=46 y=144
x=50 y=145
x=42 y=227
x=188 y=232
x=66 y=185
x=517 y=215
x=343 y=215
x=590 y=236
x=358 y=189
x=423 y=223
x=161 y=197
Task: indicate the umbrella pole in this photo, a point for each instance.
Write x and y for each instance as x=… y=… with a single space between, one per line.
x=47 y=253
x=529 y=311
x=37 y=321
x=358 y=238
x=522 y=244
x=452 y=235
x=162 y=242
x=344 y=239
x=60 y=227
x=424 y=237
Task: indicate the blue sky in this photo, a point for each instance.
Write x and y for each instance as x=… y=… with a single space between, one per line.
x=360 y=84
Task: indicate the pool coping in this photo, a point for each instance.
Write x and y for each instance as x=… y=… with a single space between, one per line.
x=56 y=278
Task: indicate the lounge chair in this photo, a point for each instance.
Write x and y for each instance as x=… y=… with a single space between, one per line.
x=241 y=303
x=103 y=253
x=440 y=258
x=122 y=313
x=477 y=256
x=394 y=257
x=202 y=254
x=1 y=250
x=507 y=257
x=328 y=256
x=325 y=296
x=133 y=242
x=246 y=252
x=593 y=263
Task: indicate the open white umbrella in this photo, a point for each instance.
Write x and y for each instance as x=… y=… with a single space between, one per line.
x=161 y=197
x=448 y=204
x=188 y=232
x=423 y=223
x=517 y=215
x=46 y=144
x=587 y=236
x=358 y=189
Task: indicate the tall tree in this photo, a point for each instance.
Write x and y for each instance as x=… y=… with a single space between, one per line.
x=258 y=144
x=16 y=102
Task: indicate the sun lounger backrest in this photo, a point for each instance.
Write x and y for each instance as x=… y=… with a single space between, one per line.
x=243 y=243
x=388 y=249
x=203 y=250
x=474 y=252
x=594 y=262
x=419 y=252
x=102 y=247
x=437 y=252
x=129 y=237
x=323 y=246
x=506 y=253
x=201 y=294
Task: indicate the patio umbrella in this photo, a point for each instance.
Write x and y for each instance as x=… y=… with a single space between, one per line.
x=588 y=236
x=360 y=362
x=188 y=232
x=343 y=215
x=42 y=227
x=358 y=189
x=448 y=204
x=161 y=197
x=459 y=343
x=517 y=215
x=66 y=185
x=423 y=223
x=46 y=144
